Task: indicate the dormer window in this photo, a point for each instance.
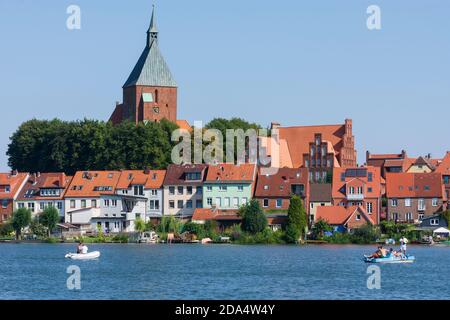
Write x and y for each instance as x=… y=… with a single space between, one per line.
x=193 y=176
x=266 y=187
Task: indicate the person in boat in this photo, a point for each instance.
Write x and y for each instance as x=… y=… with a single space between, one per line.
x=84 y=249
x=79 y=247
x=403 y=243
x=380 y=253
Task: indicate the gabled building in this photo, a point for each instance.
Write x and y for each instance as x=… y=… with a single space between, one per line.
x=229 y=186
x=10 y=186
x=414 y=196
x=320 y=195
x=144 y=188
x=344 y=219
x=183 y=189
x=150 y=92
x=443 y=167
x=319 y=148
x=421 y=165
x=43 y=190
x=275 y=191
x=359 y=186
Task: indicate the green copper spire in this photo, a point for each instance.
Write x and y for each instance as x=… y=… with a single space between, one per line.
x=152 y=33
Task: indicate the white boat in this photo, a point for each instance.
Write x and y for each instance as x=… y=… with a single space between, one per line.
x=83 y=256
x=148 y=237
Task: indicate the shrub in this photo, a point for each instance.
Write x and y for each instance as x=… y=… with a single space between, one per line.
x=195 y=228
x=253 y=217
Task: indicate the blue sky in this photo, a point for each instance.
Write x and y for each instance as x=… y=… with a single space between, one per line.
x=295 y=62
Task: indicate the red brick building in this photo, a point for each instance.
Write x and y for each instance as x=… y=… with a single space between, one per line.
x=344 y=219
x=274 y=191
x=444 y=169
x=150 y=92
x=360 y=186
x=10 y=186
x=414 y=196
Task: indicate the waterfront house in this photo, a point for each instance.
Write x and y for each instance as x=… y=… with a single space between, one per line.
x=421 y=165
x=91 y=202
x=10 y=186
x=274 y=192
x=359 y=186
x=319 y=148
x=344 y=219
x=143 y=188
x=43 y=190
x=414 y=196
x=433 y=222
x=229 y=186
x=183 y=189
x=319 y=196
x=224 y=218
x=443 y=168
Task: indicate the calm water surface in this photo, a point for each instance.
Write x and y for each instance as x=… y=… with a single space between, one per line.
x=38 y=271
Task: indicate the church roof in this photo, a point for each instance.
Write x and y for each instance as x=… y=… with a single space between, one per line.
x=151 y=68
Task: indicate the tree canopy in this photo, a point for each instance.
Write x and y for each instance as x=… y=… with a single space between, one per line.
x=70 y=146
x=297 y=220
x=49 y=218
x=21 y=219
x=253 y=218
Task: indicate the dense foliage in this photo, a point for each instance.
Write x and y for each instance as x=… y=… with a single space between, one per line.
x=56 y=145
x=297 y=220
x=21 y=219
x=253 y=218
x=49 y=218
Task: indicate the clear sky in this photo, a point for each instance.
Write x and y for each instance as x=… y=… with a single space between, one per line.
x=295 y=62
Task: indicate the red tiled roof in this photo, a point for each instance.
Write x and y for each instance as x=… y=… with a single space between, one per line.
x=202 y=214
x=56 y=180
x=279 y=184
x=444 y=165
x=413 y=185
x=375 y=184
x=152 y=179
x=14 y=182
x=339 y=215
x=176 y=174
x=386 y=156
x=117 y=115
x=90 y=180
x=183 y=124
x=227 y=172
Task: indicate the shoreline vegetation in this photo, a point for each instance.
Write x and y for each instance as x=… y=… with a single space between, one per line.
x=252 y=230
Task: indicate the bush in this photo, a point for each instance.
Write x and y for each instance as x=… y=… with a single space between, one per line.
x=266 y=236
x=170 y=224
x=253 y=218
x=38 y=229
x=365 y=234
x=340 y=238
x=6 y=229
x=195 y=228
x=121 y=238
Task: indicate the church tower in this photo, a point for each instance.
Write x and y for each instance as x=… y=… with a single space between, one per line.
x=150 y=92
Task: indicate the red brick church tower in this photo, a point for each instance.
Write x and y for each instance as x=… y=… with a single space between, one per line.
x=150 y=92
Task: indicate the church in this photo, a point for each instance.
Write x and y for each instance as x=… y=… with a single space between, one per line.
x=150 y=92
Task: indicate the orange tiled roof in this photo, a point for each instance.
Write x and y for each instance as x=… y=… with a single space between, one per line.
x=14 y=182
x=227 y=172
x=152 y=179
x=183 y=124
x=387 y=156
x=444 y=165
x=93 y=183
x=339 y=215
x=375 y=184
x=279 y=184
x=413 y=185
x=201 y=214
x=56 y=180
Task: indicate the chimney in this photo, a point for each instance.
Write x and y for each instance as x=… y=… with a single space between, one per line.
x=367 y=155
x=403 y=154
x=274 y=125
x=62 y=179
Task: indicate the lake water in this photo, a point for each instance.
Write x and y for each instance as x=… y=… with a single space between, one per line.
x=39 y=271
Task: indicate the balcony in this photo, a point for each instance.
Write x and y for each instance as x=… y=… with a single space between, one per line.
x=355 y=197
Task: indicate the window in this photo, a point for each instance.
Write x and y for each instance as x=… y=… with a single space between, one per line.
x=394 y=216
x=94 y=203
x=218 y=202
x=171 y=191
x=31 y=206
x=235 y=202
x=351 y=190
x=426 y=187
x=83 y=203
x=360 y=190
x=189 y=204
x=408 y=216
x=240 y=188
x=7 y=189
x=114 y=203
x=209 y=188
x=266 y=187
x=244 y=200
x=72 y=204
x=421 y=204
x=394 y=202
x=307 y=163
x=189 y=189
x=317 y=175
x=180 y=190
x=21 y=205
x=434 y=222
x=209 y=201
x=370 y=177
x=369 y=207
x=59 y=205
x=227 y=202
x=154 y=192
x=279 y=203
x=198 y=203
x=199 y=190
x=407 y=202
x=446 y=179
x=369 y=189
x=180 y=204
x=342 y=176
x=265 y=203
x=358 y=217
x=172 y=204
x=434 y=202
x=138 y=190
x=223 y=188
x=329 y=163
x=421 y=216
x=105 y=202
x=193 y=176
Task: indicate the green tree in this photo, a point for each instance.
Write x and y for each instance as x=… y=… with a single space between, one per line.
x=319 y=228
x=139 y=225
x=253 y=217
x=297 y=220
x=6 y=229
x=38 y=229
x=21 y=219
x=50 y=218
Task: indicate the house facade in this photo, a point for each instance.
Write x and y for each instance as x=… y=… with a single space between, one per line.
x=229 y=186
x=274 y=192
x=319 y=196
x=43 y=190
x=10 y=186
x=414 y=196
x=444 y=169
x=359 y=186
x=183 y=189
x=344 y=219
